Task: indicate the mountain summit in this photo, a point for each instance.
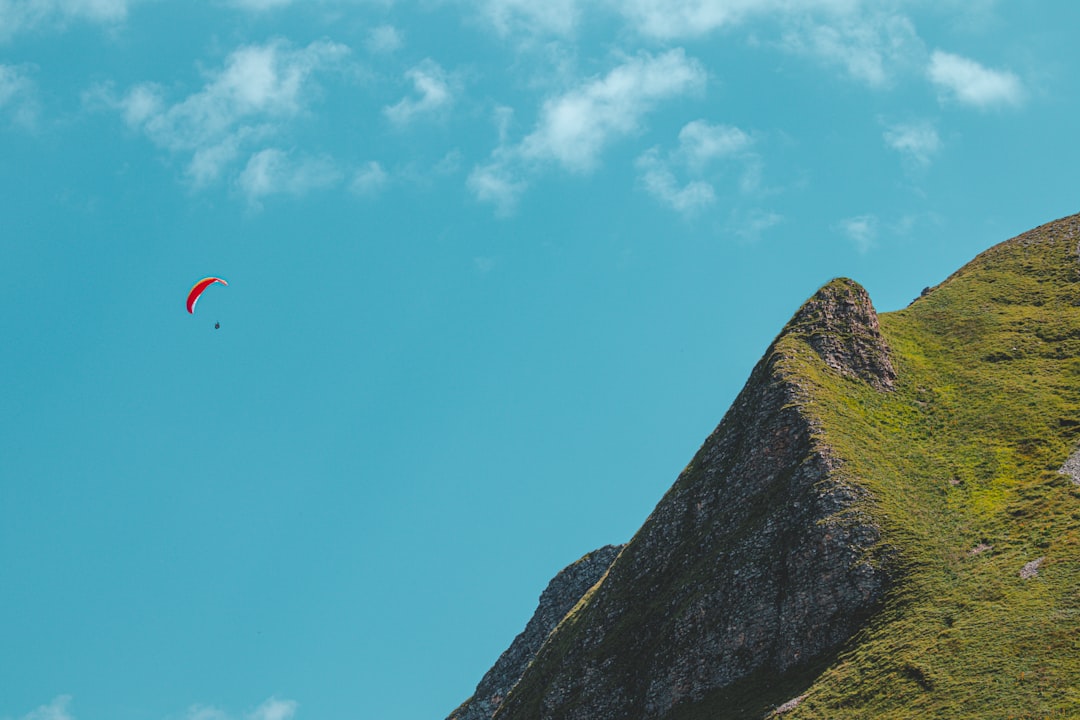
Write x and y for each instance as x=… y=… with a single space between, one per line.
x=886 y=522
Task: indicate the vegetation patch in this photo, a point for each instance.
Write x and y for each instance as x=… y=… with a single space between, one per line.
x=962 y=462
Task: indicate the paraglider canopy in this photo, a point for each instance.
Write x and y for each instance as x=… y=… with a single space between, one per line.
x=193 y=296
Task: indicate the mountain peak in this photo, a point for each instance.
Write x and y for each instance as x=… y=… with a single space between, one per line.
x=840 y=324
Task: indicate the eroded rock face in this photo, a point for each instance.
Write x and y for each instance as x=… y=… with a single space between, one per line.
x=755 y=560
x=840 y=324
x=562 y=593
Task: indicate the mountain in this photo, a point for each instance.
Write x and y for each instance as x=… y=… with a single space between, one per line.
x=885 y=523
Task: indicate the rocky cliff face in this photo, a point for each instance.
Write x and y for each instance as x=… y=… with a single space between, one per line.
x=756 y=560
x=563 y=592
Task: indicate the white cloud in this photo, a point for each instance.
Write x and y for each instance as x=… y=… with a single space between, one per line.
x=449 y=164
x=494 y=183
x=203 y=712
x=13 y=81
x=141 y=103
x=869 y=41
x=259 y=89
x=576 y=126
x=674 y=19
x=23 y=15
x=18 y=95
x=276 y=172
x=701 y=146
x=751 y=226
x=261 y=5
x=434 y=89
x=917 y=142
x=862 y=230
x=868 y=47
x=660 y=182
x=531 y=17
x=271 y=709
x=369 y=179
x=973 y=84
x=274 y=709
x=56 y=710
x=700 y=142
x=504 y=116
x=384 y=39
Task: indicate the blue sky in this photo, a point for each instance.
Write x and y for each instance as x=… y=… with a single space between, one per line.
x=495 y=270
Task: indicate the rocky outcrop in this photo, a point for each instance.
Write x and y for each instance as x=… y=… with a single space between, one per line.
x=563 y=592
x=1072 y=467
x=840 y=324
x=756 y=560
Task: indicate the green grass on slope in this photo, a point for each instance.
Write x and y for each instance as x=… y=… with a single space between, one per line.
x=962 y=462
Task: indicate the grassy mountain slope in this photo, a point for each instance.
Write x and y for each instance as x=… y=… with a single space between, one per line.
x=962 y=462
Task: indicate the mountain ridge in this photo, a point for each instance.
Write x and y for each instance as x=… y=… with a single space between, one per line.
x=830 y=549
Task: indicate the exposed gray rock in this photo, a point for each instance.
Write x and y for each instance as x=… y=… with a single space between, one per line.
x=756 y=561
x=563 y=592
x=1031 y=569
x=1072 y=467
x=788 y=706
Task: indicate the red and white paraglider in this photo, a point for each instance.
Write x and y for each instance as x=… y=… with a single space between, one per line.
x=197 y=291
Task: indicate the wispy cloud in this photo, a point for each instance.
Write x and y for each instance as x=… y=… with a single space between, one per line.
x=870 y=42
x=750 y=226
x=261 y=5
x=204 y=712
x=660 y=182
x=433 y=93
x=675 y=19
x=384 y=39
x=529 y=17
x=369 y=179
x=861 y=230
x=56 y=710
x=274 y=709
x=970 y=83
x=18 y=16
x=496 y=183
x=576 y=126
x=18 y=95
x=270 y=709
x=701 y=142
x=701 y=146
x=917 y=142
x=252 y=98
x=276 y=172
x=871 y=48
x=484 y=264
